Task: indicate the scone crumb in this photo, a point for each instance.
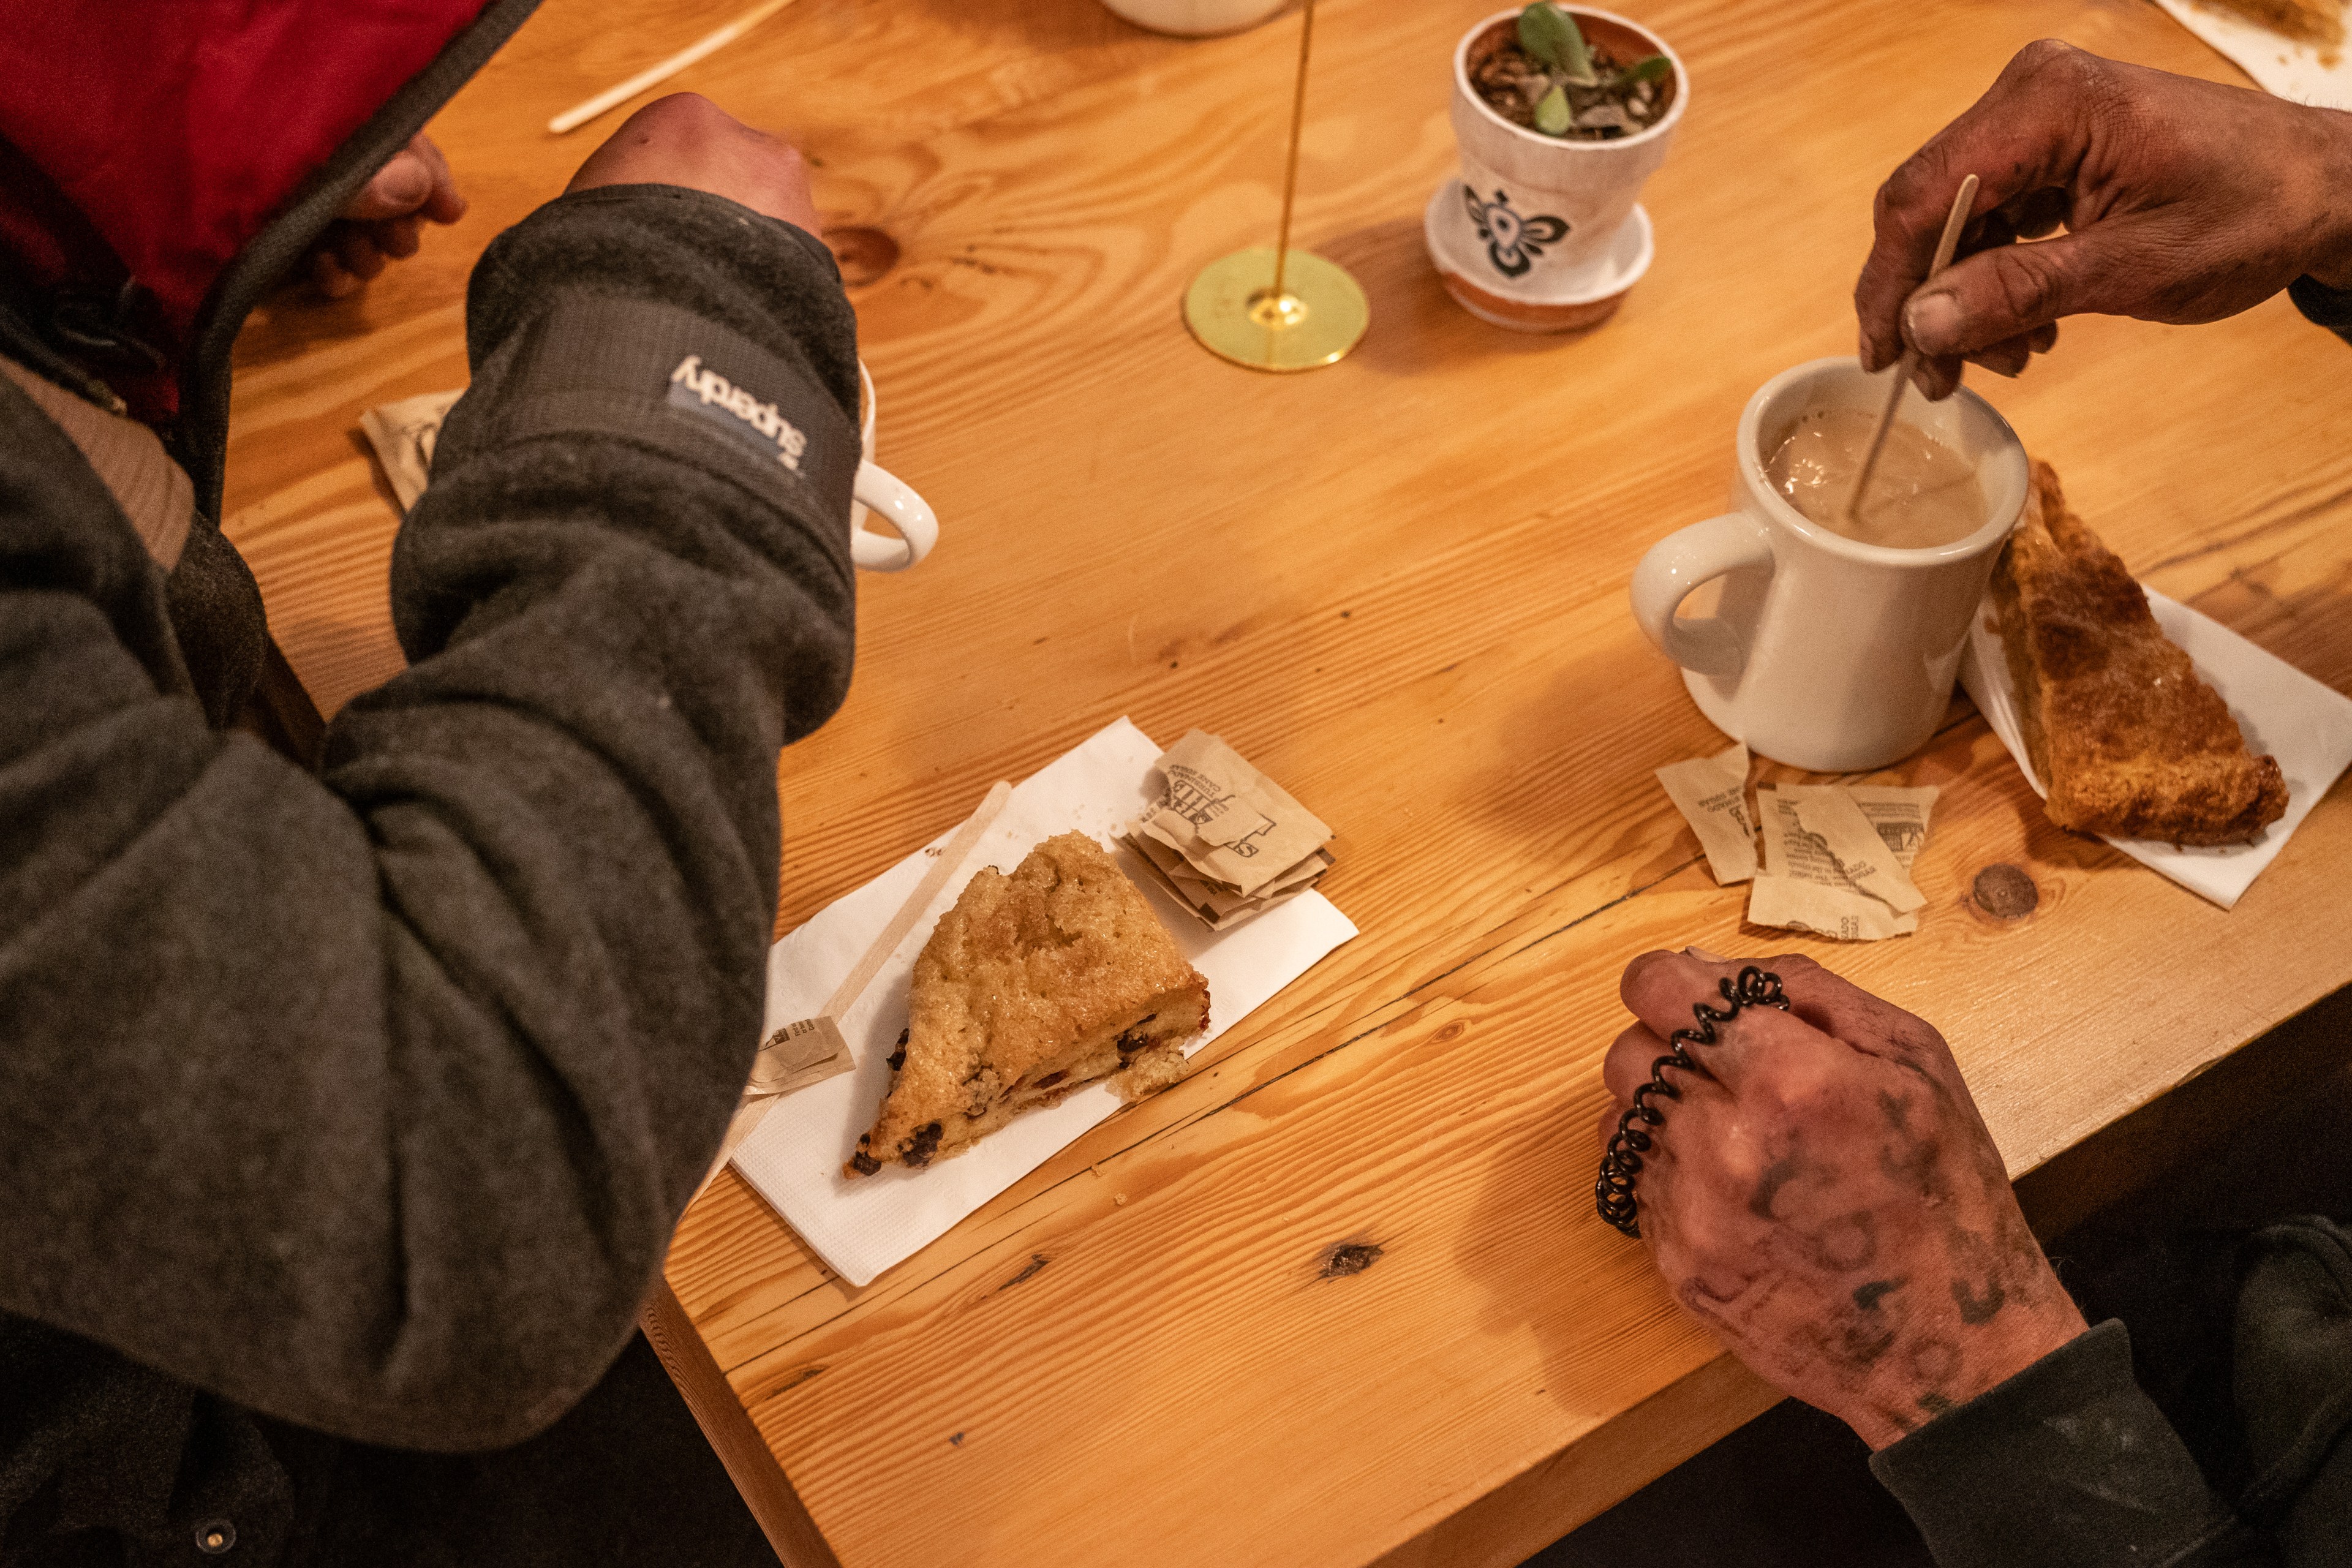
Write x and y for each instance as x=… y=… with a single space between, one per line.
x=1149 y=1071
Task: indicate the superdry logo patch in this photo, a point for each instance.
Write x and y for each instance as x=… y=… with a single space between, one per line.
x=694 y=386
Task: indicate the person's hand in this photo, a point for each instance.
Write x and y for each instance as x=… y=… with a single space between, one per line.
x=687 y=140
x=2183 y=201
x=1825 y=1198
x=385 y=219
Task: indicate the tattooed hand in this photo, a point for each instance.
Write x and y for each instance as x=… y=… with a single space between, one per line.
x=2182 y=201
x=1827 y=1200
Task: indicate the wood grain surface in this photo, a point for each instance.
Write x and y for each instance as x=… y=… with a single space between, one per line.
x=1399 y=586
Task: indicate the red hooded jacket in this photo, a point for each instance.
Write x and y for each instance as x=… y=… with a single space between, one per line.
x=160 y=164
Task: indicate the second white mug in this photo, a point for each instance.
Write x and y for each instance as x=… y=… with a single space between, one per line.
x=878 y=489
x=1827 y=653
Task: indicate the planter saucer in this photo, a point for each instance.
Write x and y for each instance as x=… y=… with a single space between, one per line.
x=1582 y=297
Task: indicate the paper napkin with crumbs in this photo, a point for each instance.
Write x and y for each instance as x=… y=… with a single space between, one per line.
x=2281 y=67
x=861 y=1227
x=2308 y=726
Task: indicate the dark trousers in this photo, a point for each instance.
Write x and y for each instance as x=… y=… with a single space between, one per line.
x=626 y=1479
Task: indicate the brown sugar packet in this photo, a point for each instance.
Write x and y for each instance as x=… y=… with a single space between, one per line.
x=1791 y=903
x=1803 y=886
x=404 y=435
x=1169 y=871
x=1898 y=813
x=1712 y=794
x=1234 y=826
x=1212 y=905
x=1223 y=840
x=807 y=1051
x=1854 y=842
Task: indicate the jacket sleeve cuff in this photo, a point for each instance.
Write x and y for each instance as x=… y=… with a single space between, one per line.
x=676 y=385
x=2066 y=1463
x=2323 y=306
x=699 y=352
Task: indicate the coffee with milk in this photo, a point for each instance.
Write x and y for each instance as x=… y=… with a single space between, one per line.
x=1922 y=495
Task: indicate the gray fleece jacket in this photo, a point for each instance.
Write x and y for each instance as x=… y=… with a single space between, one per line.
x=360 y=1107
x=2070 y=1464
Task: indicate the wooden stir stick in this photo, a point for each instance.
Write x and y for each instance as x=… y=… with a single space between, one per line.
x=755 y=1105
x=580 y=114
x=1944 y=248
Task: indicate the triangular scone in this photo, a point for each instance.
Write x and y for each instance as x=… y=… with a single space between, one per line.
x=2129 y=740
x=1033 y=985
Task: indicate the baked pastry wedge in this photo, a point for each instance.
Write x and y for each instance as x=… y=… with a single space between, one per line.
x=2130 y=741
x=1032 y=987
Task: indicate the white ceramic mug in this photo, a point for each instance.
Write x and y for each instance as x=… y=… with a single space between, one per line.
x=880 y=490
x=1196 y=18
x=1826 y=653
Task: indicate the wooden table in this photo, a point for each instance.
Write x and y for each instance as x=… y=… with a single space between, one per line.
x=1400 y=587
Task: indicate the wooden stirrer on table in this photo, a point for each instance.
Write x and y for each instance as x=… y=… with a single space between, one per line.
x=1910 y=361
x=755 y=1105
x=580 y=114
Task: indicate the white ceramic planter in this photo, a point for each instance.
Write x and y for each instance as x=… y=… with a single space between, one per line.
x=1540 y=233
x=1194 y=18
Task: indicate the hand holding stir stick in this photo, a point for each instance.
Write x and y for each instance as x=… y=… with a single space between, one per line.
x=1910 y=361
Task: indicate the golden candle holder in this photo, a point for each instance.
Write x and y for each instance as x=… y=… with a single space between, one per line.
x=1279 y=310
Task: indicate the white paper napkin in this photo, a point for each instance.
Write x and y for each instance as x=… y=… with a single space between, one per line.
x=2279 y=66
x=862 y=1227
x=2307 y=726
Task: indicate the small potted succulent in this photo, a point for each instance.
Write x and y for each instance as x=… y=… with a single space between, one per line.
x=1560 y=113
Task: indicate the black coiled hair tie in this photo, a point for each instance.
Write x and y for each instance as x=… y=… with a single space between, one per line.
x=1612 y=1193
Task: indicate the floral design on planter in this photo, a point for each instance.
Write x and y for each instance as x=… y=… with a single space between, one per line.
x=1513 y=240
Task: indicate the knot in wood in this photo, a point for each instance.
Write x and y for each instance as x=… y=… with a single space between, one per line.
x=2005 y=892
x=1037 y=1261
x=1353 y=1257
x=864 y=255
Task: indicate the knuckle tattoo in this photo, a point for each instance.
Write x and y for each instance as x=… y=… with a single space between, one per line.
x=1848 y=1243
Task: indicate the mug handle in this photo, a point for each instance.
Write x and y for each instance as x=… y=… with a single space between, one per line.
x=1680 y=563
x=878 y=489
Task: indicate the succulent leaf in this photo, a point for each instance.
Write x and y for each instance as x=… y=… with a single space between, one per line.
x=1576 y=61
x=1656 y=68
x=1539 y=32
x=1552 y=116
x=1551 y=36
